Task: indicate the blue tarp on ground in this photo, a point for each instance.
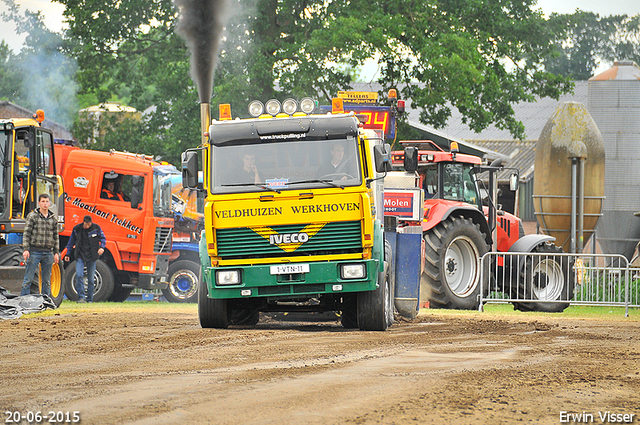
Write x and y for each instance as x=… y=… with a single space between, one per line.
x=13 y=306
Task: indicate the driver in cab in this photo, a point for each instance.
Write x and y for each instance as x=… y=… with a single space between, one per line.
x=109 y=188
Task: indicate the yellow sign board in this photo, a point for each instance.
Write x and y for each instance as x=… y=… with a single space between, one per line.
x=359 y=97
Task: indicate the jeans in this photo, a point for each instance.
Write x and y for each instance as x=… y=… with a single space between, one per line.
x=91 y=272
x=45 y=260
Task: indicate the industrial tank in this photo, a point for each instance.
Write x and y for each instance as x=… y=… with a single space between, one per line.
x=559 y=141
x=614 y=104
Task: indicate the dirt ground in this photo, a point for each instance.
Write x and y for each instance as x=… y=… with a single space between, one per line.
x=157 y=366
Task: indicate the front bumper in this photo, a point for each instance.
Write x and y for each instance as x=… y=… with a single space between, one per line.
x=322 y=278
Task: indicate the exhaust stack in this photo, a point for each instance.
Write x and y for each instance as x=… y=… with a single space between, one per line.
x=205 y=120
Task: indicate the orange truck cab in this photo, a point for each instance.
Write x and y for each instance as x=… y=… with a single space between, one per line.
x=129 y=197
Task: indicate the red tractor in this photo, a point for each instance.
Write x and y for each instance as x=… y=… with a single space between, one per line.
x=458 y=230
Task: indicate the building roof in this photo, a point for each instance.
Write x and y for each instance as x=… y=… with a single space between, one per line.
x=493 y=142
x=11 y=110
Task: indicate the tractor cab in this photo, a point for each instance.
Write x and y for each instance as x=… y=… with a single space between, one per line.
x=446 y=175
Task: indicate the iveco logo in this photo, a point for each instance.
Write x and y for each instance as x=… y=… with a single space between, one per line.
x=288 y=242
x=288 y=238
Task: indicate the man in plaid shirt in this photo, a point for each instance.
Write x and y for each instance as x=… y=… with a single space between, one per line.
x=41 y=245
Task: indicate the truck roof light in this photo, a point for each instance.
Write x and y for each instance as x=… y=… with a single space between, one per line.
x=272 y=107
x=307 y=105
x=224 y=110
x=393 y=94
x=453 y=147
x=337 y=106
x=256 y=108
x=290 y=106
x=400 y=107
x=39 y=115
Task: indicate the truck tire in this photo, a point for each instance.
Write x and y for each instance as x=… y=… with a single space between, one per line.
x=213 y=313
x=119 y=293
x=349 y=313
x=375 y=308
x=103 y=283
x=453 y=249
x=183 y=282
x=244 y=317
x=545 y=278
x=57 y=284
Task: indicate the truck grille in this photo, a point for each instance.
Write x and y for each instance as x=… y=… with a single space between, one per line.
x=162 y=243
x=333 y=238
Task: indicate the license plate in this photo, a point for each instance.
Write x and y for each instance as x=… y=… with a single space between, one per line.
x=289 y=269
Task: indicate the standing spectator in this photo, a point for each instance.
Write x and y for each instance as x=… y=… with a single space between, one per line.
x=40 y=245
x=89 y=241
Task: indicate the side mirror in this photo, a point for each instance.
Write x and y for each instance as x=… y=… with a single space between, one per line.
x=514 y=182
x=497 y=163
x=382 y=157
x=410 y=159
x=136 y=182
x=26 y=137
x=190 y=169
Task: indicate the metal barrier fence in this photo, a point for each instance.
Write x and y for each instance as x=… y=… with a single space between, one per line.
x=550 y=281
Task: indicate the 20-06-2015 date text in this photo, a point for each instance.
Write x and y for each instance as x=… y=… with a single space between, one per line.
x=51 y=417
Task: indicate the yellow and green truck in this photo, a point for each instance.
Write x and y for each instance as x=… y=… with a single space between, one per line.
x=293 y=216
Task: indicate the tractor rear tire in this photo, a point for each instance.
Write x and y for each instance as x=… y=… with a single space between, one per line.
x=453 y=249
x=375 y=308
x=213 y=313
x=545 y=278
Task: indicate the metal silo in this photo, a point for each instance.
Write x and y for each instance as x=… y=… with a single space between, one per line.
x=569 y=130
x=614 y=104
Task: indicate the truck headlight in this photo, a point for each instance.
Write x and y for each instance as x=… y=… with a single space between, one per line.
x=227 y=277
x=353 y=271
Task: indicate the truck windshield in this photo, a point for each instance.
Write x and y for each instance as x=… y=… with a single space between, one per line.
x=285 y=165
x=162 y=182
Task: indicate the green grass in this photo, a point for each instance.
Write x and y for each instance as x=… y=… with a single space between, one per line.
x=69 y=307
x=573 y=312
x=490 y=310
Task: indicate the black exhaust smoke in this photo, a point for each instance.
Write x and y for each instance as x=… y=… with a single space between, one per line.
x=200 y=24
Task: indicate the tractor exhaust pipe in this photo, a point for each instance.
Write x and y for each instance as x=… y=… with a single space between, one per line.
x=205 y=120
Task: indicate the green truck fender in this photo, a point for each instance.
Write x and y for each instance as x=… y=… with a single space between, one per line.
x=378 y=244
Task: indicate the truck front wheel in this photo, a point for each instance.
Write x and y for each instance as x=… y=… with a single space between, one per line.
x=183 y=282
x=103 y=282
x=375 y=308
x=213 y=313
x=452 y=268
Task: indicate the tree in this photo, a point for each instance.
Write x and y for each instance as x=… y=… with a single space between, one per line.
x=583 y=40
x=10 y=76
x=46 y=74
x=480 y=56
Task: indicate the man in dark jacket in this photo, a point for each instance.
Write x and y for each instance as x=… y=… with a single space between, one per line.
x=89 y=242
x=40 y=244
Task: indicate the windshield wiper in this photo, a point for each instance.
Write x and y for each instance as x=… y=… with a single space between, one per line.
x=329 y=182
x=260 y=185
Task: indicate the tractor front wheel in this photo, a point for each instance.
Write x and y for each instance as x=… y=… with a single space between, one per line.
x=547 y=278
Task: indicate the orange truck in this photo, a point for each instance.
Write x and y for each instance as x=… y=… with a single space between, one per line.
x=129 y=196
